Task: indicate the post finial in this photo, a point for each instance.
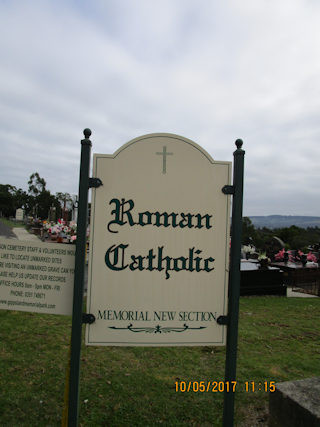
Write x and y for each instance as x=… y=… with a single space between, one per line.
x=239 y=143
x=87 y=132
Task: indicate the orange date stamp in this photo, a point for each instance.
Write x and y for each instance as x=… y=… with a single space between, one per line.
x=224 y=386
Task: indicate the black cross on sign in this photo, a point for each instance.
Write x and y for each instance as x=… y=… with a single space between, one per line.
x=164 y=153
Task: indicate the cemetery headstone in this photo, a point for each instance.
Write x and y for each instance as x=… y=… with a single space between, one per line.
x=19 y=214
x=52 y=214
x=295 y=404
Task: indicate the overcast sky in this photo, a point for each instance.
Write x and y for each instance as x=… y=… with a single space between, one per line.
x=212 y=71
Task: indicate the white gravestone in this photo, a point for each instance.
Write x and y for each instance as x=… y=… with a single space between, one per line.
x=19 y=214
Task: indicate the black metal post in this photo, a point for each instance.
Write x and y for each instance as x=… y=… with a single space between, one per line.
x=73 y=409
x=234 y=283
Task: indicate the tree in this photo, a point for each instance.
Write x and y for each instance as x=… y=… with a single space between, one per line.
x=21 y=199
x=36 y=184
x=248 y=231
x=66 y=202
x=12 y=199
x=7 y=200
x=40 y=199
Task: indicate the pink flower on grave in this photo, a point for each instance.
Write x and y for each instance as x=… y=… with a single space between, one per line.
x=73 y=225
x=291 y=257
x=73 y=238
x=311 y=257
x=56 y=229
x=280 y=255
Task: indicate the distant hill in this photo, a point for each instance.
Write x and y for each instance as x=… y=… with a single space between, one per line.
x=281 y=221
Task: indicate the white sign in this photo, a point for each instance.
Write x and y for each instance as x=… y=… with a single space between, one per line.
x=159 y=248
x=19 y=214
x=36 y=277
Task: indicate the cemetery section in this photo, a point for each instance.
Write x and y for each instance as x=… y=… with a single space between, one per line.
x=36 y=277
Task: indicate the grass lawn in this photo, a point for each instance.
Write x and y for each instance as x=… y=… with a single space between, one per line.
x=279 y=340
x=11 y=224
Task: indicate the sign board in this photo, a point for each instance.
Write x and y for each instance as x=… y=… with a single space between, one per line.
x=159 y=245
x=36 y=277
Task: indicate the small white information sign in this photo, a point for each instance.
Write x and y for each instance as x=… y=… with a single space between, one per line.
x=36 y=277
x=159 y=248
